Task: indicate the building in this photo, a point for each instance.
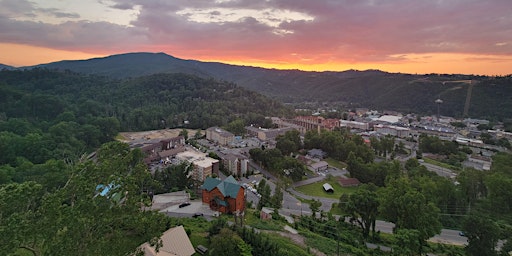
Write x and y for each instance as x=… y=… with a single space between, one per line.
x=175 y=242
x=219 y=136
x=315 y=123
x=328 y=188
x=478 y=162
x=266 y=134
x=226 y=196
x=266 y=213
x=389 y=119
x=163 y=149
x=319 y=166
x=235 y=164
x=397 y=131
x=204 y=166
x=281 y=123
x=354 y=125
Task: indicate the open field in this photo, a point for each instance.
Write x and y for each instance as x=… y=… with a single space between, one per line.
x=316 y=189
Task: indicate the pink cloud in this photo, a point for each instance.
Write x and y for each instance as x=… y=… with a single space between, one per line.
x=349 y=30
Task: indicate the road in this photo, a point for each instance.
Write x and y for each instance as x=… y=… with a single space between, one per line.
x=444 y=172
x=293 y=206
x=446 y=236
x=449 y=236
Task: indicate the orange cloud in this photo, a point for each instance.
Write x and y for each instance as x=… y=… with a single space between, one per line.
x=25 y=55
x=442 y=63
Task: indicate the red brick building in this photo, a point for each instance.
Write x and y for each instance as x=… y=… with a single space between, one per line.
x=226 y=196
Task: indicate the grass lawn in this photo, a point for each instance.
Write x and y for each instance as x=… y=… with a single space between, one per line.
x=316 y=189
x=335 y=163
x=335 y=210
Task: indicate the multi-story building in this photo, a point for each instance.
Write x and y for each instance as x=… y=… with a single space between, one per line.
x=308 y=123
x=163 y=149
x=235 y=164
x=204 y=166
x=266 y=134
x=219 y=136
x=282 y=123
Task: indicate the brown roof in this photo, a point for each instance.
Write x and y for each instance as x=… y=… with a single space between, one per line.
x=347 y=182
x=175 y=242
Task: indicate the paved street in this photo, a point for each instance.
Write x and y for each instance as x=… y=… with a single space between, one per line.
x=447 y=236
x=293 y=206
x=444 y=172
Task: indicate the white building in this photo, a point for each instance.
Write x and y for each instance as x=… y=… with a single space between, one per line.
x=204 y=166
x=397 y=131
x=354 y=125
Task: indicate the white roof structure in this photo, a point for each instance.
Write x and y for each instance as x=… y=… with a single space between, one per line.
x=389 y=118
x=328 y=187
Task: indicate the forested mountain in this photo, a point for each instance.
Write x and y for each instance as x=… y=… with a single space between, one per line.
x=51 y=114
x=491 y=97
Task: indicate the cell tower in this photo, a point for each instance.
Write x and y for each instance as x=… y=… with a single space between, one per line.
x=438 y=102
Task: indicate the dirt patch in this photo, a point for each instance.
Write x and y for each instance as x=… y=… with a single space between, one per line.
x=128 y=137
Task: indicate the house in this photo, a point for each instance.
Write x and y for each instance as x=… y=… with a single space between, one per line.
x=220 y=136
x=226 y=196
x=319 y=166
x=175 y=242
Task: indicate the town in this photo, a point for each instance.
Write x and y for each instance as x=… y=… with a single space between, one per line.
x=226 y=177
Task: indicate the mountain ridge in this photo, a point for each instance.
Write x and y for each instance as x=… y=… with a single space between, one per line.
x=352 y=88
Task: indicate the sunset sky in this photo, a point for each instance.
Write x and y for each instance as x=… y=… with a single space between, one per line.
x=408 y=36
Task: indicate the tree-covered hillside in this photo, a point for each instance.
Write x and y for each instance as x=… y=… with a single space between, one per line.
x=491 y=97
x=49 y=114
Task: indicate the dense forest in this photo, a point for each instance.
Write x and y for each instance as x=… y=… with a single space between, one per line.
x=57 y=115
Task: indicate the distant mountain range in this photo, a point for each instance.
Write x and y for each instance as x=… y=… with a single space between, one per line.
x=489 y=97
